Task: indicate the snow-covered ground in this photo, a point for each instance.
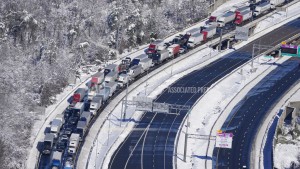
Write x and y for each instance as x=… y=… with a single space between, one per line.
x=226 y=90
x=285 y=154
x=277 y=17
x=61 y=104
x=156 y=85
x=102 y=146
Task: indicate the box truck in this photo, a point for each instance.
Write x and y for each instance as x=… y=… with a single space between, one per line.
x=95 y=105
x=97 y=78
x=145 y=64
x=160 y=56
x=226 y=18
x=79 y=95
x=173 y=50
x=110 y=68
x=275 y=3
x=48 y=143
x=86 y=116
x=111 y=77
x=73 y=145
x=195 y=39
x=104 y=93
x=112 y=87
x=56 y=127
x=134 y=71
x=262 y=8
x=243 y=16
x=56 y=159
x=123 y=79
x=78 y=108
x=80 y=129
x=209 y=32
x=137 y=59
x=155 y=46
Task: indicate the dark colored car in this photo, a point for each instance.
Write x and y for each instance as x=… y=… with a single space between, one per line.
x=73 y=120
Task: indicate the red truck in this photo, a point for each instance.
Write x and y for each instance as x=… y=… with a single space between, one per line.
x=174 y=50
x=209 y=32
x=79 y=95
x=242 y=16
x=98 y=78
x=155 y=46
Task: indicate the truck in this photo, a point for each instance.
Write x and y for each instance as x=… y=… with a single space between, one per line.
x=195 y=40
x=241 y=9
x=124 y=65
x=123 y=79
x=104 y=93
x=110 y=68
x=60 y=117
x=243 y=16
x=160 y=56
x=145 y=64
x=193 y=31
x=73 y=145
x=155 y=46
x=86 y=116
x=226 y=18
x=112 y=87
x=213 y=18
x=56 y=159
x=134 y=71
x=48 y=143
x=111 y=77
x=80 y=129
x=97 y=78
x=209 y=32
x=137 y=59
x=275 y=3
x=78 y=108
x=173 y=50
x=56 y=125
x=95 y=105
x=79 y=95
x=262 y=8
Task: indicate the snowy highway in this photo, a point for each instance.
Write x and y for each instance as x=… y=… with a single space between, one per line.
x=144 y=154
x=245 y=120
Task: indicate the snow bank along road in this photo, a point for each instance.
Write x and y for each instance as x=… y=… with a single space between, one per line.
x=246 y=117
x=152 y=146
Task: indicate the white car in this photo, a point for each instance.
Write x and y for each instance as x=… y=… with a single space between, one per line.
x=182 y=50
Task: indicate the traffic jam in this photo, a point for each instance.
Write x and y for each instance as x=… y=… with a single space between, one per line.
x=67 y=130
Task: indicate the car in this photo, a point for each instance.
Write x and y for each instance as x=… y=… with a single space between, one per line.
x=182 y=50
x=73 y=120
x=67 y=131
x=62 y=143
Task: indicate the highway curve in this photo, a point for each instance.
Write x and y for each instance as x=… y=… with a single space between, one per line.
x=153 y=147
x=246 y=117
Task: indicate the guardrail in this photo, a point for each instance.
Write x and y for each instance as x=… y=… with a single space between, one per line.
x=268 y=51
x=134 y=88
x=50 y=113
x=142 y=80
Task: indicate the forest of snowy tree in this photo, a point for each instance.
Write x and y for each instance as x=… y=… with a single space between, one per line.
x=40 y=49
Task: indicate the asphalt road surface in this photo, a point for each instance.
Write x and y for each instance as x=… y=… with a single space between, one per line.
x=247 y=116
x=153 y=147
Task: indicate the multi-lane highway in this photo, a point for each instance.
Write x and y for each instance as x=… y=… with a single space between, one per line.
x=153 y=147
x=247 y=116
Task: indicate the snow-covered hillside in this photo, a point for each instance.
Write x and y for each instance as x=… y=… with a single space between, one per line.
x=43 y=43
